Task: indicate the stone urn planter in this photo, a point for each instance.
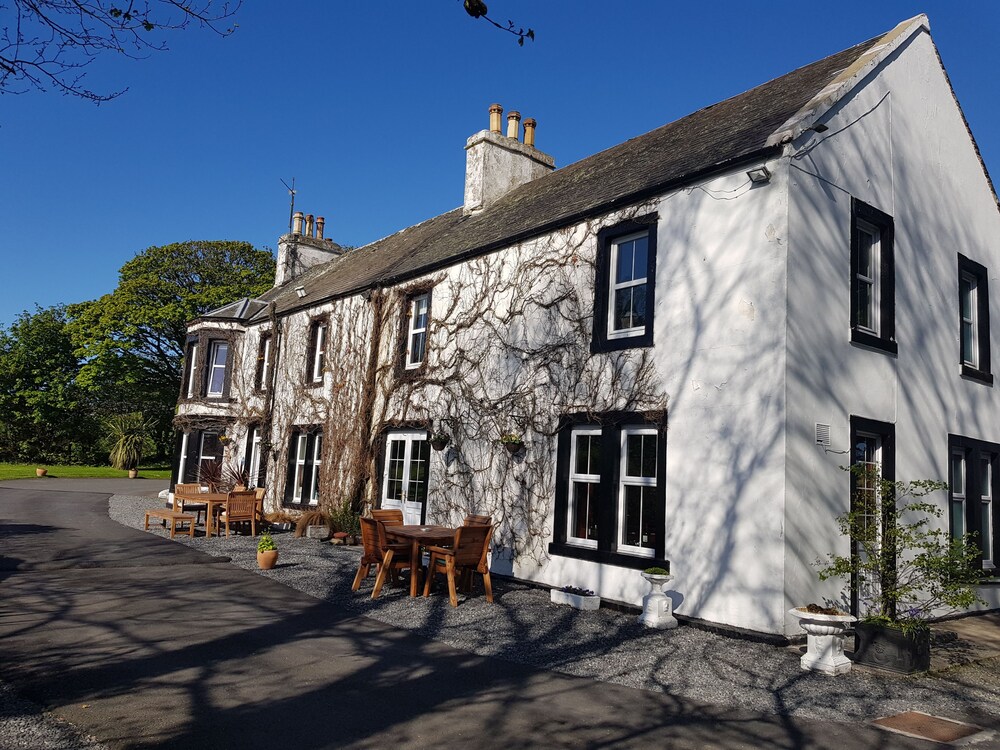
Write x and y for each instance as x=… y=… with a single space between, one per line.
x=576 y=598
x=41 y=472
x=657 y=609
x=824 y=640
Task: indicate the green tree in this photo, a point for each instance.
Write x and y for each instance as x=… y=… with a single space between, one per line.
x=43 y=414
x=132 y=340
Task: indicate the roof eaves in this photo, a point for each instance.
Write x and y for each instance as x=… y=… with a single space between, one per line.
x=845 y=82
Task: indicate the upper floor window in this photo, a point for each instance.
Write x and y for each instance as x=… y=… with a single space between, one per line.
x=191 y=387
x=873 y=284
x=316 y=356
x=217 y=359
x=974 y=319
x=418 y=317
x=262 y=378
x=625 y=285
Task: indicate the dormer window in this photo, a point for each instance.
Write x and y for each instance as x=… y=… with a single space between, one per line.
x=416 y=332
x=217 y=359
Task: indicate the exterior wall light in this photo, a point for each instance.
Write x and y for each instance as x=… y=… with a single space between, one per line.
x=300 y=291
x=759 y=175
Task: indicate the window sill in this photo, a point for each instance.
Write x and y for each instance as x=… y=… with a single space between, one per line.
x=870 y=341
x=640 y=341
x=971 y=373
x=606 y=557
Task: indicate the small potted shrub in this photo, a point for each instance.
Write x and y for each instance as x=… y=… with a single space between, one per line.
x=576 y=597
x=127 y=434
x=512 y=442
x=907 y=567
x=267 y=552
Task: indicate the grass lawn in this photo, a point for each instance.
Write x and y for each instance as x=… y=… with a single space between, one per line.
x=24 y=471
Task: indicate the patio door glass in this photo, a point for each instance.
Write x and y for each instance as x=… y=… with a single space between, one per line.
x=868 y=455
x=404 y=480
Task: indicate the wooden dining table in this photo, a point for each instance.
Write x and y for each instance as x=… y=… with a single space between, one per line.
x=419 y=536
x=210 y=499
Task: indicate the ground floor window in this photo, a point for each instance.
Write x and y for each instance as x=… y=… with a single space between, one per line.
x=305 y=453
x=610 y=491
x=256 y=469
x=199 y=457
x=972 y=481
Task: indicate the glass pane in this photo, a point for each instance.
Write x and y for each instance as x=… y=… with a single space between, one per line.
x=638 y=306
x=586 y=458
x=632 y=527
x=968 y=343
x=957 y=519
x=584 y=509
x=649 y=536
x=864 y=305
x=639 y=258
x=299 y=474
x=633 y=455
x=420 y=313
x=317 y=449
x=418 y=342
x=623 y=309
x=221 y=351
x=418 y=471
x=985 y=477
x=649 y=456
x=623 y=271
x=866 y=254
x=394 y=484
x=957 y=474
x=967 y=295
x=985 y=538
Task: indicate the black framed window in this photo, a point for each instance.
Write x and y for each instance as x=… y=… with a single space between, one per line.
x=974 y=320
x=873 y=280
x=265 y=361
x=625 y=288
x=611 y=490
x=305 y=453
x=316 y=352
x=972 y=487
x=199 y=456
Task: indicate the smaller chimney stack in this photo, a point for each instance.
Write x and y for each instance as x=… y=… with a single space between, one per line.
x=514 y=125
x=297 y=223
x=320 y=222
x=309 y=225
x=495 y=111
x=529 y=132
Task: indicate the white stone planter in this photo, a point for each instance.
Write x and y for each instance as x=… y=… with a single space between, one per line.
x=824 y=641
x=657 y=609
x=577 y=601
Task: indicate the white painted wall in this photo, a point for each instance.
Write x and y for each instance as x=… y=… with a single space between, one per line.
x=898 y=143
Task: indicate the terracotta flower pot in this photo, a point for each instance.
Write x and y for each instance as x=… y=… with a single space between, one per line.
x=267 y=560
x=133 y=473
x=41 y=472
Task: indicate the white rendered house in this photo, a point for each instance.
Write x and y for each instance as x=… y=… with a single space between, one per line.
x=690 y=333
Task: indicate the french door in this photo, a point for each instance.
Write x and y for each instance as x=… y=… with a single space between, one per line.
x=868 y=502
x=404 y=478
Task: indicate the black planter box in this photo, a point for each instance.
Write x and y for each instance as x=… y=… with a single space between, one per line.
x=889 y=648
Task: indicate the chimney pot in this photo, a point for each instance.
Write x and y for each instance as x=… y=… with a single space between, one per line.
x=309 y=225
x=529 y=132
x=513 y=124
x=320 y=222
x=297 y=223
x=495 y=111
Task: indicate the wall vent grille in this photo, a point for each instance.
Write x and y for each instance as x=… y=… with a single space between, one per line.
x=823 y=435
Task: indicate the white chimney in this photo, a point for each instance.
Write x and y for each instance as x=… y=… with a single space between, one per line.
x=496 y=164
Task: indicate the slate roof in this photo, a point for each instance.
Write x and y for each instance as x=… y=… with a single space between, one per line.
x=730 y=132
x=241 y=309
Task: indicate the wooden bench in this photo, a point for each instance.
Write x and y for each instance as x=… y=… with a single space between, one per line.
x=173 y=516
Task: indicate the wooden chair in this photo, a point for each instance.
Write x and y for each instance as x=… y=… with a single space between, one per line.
x=240 y=507
x=468 y=552
x=473 y=520
x=394 y=557
x=188 y=506
x=388 y=514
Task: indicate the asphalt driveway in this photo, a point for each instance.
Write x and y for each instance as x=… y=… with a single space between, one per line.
x=145 y=643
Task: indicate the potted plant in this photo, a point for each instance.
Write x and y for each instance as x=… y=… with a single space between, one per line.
x=512 y=442
x=127 y=434
x=906 y=568
x=657 y=608
x=267 y=552
x=825 y=628
x=40 y=472
x=575 y=597
x=439 y=441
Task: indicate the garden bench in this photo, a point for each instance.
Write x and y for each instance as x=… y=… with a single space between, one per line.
x=173 y=516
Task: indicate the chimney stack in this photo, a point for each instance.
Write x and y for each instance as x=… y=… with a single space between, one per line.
x=304 y=247
x=309 y=225
x=320 y=222
x=297 y=223
x=496 y=164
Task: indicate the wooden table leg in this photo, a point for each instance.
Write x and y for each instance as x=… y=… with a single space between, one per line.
x=414 y=566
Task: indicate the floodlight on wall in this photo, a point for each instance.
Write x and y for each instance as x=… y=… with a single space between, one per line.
x=300 y=291
x=759 y=175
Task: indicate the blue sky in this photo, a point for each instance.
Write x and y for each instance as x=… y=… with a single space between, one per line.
x=368 y=105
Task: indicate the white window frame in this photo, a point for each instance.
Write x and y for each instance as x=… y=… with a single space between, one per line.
x=594 y=479
x=202 y=456
x=301 y=445
x=213 y=352
x=626 y=480
x=413 y=331
x=958 y=497
x=192 y=370
x=873 y=281
x=317 y=456
x=986 y=511
x=265 y=371
x=254 y=469
x=971 y=357
x=182 y=463
x=319 y=350
x=614 y=287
